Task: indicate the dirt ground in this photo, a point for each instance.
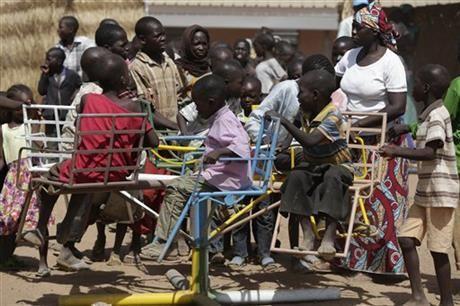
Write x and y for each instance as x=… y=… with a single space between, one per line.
x=24 y=288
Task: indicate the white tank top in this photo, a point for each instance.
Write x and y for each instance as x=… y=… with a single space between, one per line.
x=13 y=140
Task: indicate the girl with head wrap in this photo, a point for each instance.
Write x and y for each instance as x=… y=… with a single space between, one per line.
x=374 y=79
x=195 y=44
x=194 y=62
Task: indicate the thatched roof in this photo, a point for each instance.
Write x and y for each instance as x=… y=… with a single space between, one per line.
x=28 y=29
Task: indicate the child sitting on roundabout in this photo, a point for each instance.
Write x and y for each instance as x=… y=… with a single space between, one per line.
x=319 y=185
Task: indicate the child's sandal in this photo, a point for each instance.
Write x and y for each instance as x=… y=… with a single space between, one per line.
x=269 y=264
x=236 y=263
x=46 y=272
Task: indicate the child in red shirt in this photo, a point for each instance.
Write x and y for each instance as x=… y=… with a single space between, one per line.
x=72 y=228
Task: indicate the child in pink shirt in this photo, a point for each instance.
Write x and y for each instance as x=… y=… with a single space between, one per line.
x=226 y=137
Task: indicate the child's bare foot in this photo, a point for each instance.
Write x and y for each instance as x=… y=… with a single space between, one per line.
x=327 y=250
x=417 y=302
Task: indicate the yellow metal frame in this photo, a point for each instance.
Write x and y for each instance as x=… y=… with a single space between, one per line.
x=174 y=162
x=240 y=213
x=180 y=297
x=198 y=272
x=163 y=147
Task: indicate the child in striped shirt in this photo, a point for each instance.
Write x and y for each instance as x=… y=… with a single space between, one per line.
x=436 y=198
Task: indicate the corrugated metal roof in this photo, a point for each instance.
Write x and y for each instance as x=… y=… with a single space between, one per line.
x=287 y=3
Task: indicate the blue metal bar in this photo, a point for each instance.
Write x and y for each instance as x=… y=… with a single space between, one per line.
x=175 y=229
x=262 y=163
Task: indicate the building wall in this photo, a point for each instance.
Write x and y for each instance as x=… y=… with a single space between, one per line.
x=439 y=38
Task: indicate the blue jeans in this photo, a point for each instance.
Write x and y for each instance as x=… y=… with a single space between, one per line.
x=216 y=245
x=263 y=231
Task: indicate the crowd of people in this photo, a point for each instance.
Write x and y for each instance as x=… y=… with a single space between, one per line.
x=223 y=92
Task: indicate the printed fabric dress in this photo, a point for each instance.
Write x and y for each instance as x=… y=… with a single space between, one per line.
x=12 y=200
x=387 y=209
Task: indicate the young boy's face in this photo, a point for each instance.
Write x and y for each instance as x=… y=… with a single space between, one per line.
x=250 y=95
x=234 y=86
x=204 y=107
x=53 y=62
x=285 y=56
x=306 y=98
x=65 y=31
x=338 y=50
x=241 y=52
x=155 y=41
x=419 y=90
x=121 y=46
x=295 y=71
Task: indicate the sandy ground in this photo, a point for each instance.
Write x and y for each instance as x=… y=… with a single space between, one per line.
x=24 y=288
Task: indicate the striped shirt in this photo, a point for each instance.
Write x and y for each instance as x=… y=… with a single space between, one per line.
x=158 y=83
x=334 y=149
x=74 y=53
x=438 y=184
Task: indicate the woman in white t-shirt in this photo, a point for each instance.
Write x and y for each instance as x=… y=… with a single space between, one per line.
x=374 y=80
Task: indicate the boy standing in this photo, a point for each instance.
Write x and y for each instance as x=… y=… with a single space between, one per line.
x=269 y=71
x=340 y=47
x=437 y=194
x=72 y=45
x=251 y=90
x=155 y=73
x=226 y=137
x=57 y=82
